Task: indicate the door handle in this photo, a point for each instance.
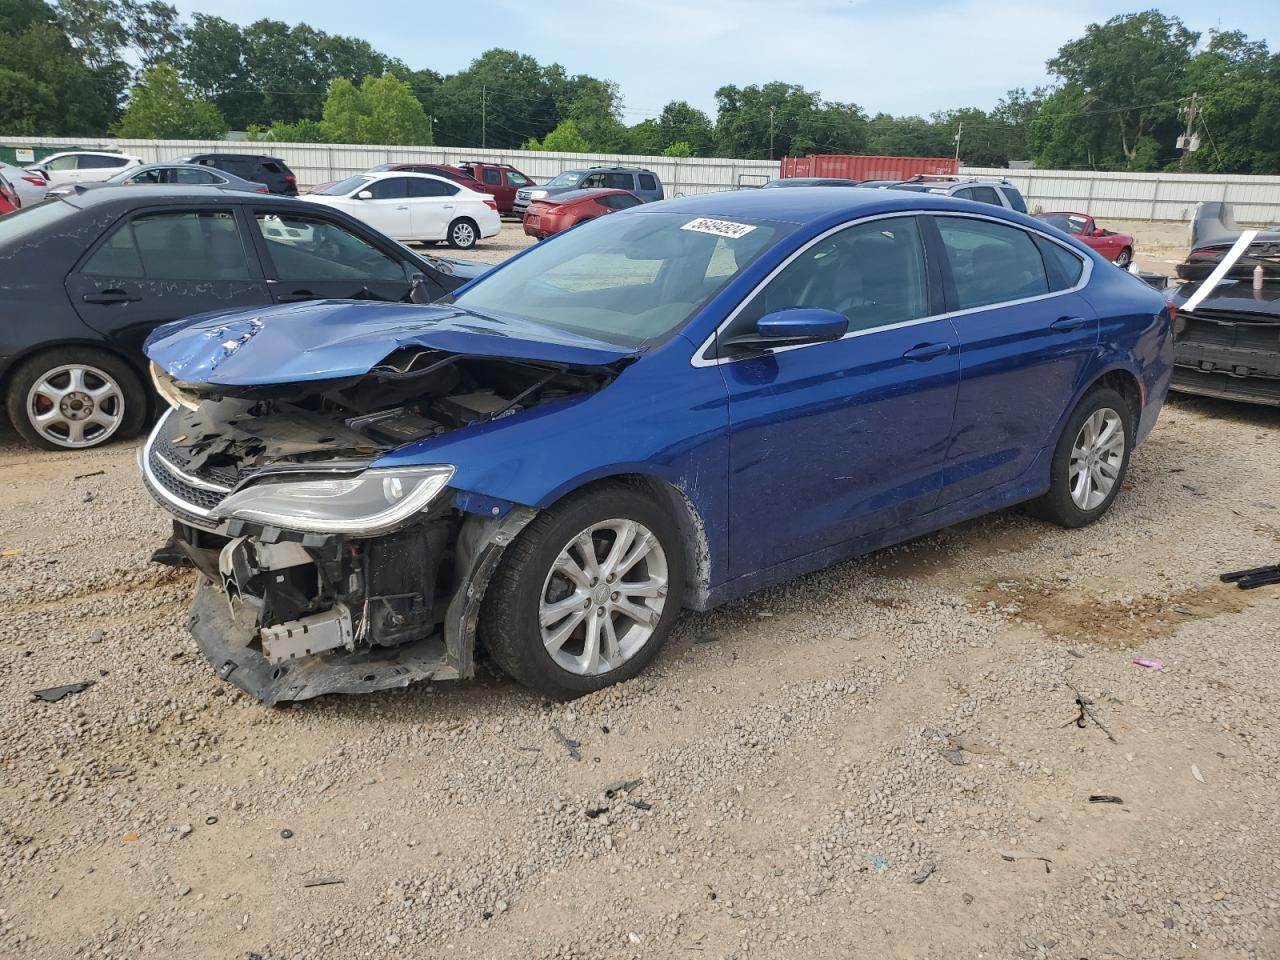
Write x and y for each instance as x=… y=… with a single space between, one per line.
x=402 y=208
x=1068 y=323
x=927 y=351
x=448 y=206
x=296 y=296
x=109 y=296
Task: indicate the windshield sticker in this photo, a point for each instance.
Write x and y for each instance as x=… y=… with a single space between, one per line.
x=719 y=228
x=1074 y=219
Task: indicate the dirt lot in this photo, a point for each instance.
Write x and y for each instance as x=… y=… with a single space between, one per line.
x=796 y=760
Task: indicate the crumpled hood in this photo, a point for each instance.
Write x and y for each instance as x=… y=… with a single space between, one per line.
x=331 y=339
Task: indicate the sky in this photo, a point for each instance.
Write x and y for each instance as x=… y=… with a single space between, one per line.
x=894 y=56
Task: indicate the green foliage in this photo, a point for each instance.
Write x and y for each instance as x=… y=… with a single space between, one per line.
x=47 y=87
x=161 y=108
x=381 y=110
x=681 y=123
x=681 y=148
x=565 y=138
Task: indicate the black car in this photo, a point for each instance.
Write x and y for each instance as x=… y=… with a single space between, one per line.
x=272 y=171
x=87 y=277
x=1228 y=343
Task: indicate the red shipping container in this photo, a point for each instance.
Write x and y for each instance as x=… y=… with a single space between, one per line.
x=856 y=167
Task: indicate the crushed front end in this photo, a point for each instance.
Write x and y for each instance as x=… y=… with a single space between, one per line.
x=319 y=570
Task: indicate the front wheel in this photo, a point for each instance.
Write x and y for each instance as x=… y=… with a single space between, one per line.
x=1090 y=461
x=586 y=595
x=463 y=234
x=1125 y=258
x=73 y=398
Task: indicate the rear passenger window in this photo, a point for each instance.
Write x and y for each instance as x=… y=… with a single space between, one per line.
x=991 y=262
x=174 y=246
x=873 y=273
x=1064 y=266
x=985 y=195
x=1015 y=199
x=431 y=188
x=492 y=177
x=648 y=181
x=619 y=181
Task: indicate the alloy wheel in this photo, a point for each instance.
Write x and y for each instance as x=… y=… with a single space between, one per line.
x=75 y=405
x=1096 y=458
x=603 y=597
x=463 y=235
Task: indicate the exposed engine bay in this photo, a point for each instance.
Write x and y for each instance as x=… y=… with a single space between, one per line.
x=289 y=614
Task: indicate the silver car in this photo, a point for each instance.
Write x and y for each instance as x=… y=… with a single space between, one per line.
x=184 y=174
x=30 y=187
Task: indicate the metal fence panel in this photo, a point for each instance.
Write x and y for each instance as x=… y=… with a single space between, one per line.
x=1129 y=196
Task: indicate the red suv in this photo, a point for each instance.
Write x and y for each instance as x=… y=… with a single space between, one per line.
x=500 y=179
x=564 y=210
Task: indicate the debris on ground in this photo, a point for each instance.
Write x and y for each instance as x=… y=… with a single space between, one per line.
x=1086 y=711
x=54 y=694
x=621 y=786
x=1149 y=663
x=1195 y=772
x=286 y=834
x=1012 y=855
x=91 y=473
x=570 y=745
x=1104 y=798
x=1254 y=577
x=322 y=881
x=924 y=872
x=130 y=837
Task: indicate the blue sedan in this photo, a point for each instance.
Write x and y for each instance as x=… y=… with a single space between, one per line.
x=670 y=407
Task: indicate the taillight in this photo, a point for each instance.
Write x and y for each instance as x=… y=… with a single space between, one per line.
x=262 y=190
x=290 y=178
x=1173 y=310
x=35 y=181
x=491 y=204
x=1204 y=254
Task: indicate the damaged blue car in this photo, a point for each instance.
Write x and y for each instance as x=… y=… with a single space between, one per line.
x=666 y=408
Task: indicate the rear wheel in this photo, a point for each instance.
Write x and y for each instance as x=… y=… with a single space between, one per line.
x=587 y=594
x=73 y=398
x=1090 y=461
x=463 y=234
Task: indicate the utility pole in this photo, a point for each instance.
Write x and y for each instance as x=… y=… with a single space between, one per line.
x=1188 y=140
x=959 y=130
x=483 y=115
x=771 y=111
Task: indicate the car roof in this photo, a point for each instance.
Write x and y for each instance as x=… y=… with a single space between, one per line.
x=815 y=205
x=229 y=156
x=101 y=196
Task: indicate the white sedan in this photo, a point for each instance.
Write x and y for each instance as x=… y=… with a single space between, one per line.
x=415 y=206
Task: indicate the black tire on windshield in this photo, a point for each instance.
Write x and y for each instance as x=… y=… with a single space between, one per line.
x=587 y=594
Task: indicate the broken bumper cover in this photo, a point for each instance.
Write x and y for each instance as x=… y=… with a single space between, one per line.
x=1228 y=361
x=226 y=643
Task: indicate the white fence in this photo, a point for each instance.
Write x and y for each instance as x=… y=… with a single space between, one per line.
x=1130 y=196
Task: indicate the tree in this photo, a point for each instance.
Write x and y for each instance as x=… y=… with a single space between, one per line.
x=681 y=148
x=162 y=108
x=381 y=110
x=565 y=138
x=1126 y=77
x=681 y=123
x=1237 y=83
x=502 y=99
x=782 y=119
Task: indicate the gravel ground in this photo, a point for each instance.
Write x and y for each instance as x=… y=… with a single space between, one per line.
x=771 y=787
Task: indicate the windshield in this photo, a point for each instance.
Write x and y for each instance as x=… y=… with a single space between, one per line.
x=1063 y=221
x=568 y=179
x=19 y=225
x=344 y=187
x=625 y=279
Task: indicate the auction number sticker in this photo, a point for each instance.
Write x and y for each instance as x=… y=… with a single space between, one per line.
x=719 y=228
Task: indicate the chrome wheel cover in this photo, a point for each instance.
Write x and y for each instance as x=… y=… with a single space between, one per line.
x=603 y=597
x=1096 y=457
x=75 y=405
x=463 y=235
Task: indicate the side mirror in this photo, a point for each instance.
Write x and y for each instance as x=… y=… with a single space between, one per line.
x=364 y=195
x=792 y=326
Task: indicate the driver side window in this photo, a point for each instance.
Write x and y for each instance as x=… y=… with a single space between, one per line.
x=311 y=249
x=873 y=273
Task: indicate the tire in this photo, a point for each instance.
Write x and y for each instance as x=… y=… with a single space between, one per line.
x=1124 y=259
x=463 y=233
x=1073 y=501
x=511 y=615
x=110 y=403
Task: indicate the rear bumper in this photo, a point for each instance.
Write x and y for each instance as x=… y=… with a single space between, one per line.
x=1264 y=390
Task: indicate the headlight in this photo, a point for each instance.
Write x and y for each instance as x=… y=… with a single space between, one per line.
x=537 y=194
x=368 y=503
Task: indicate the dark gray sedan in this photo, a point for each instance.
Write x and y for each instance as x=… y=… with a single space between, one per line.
x=179 y=174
